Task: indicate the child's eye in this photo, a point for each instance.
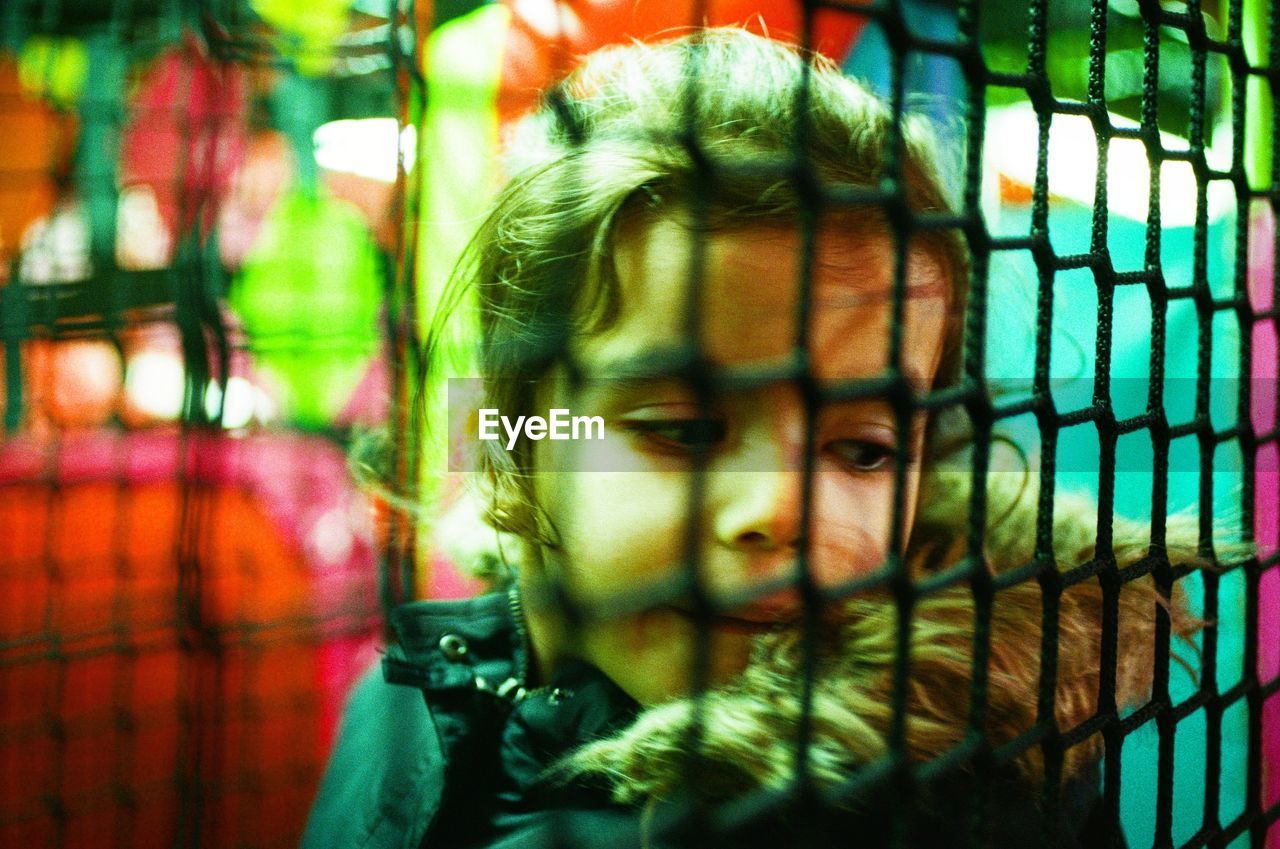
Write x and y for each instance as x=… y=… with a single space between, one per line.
x=682 y=435
x=860 y=455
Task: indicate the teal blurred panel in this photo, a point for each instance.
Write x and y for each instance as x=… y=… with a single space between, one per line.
x=1074 y=360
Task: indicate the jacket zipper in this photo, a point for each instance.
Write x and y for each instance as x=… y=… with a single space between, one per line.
x=516 y=606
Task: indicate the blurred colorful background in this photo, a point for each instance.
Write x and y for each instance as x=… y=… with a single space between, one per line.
x=224 y=224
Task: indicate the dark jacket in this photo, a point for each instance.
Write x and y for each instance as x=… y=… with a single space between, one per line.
x=447 y=748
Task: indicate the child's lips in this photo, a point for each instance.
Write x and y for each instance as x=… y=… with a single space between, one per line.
x=748 y=620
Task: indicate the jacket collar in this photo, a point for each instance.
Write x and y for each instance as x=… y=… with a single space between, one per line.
x=482 y=643
x=498 y=736
x=474 y=643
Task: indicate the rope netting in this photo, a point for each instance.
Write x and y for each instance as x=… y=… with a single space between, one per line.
x=226 y=227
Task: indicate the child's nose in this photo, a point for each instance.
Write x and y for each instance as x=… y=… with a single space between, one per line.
x=760 y=485
x=759 y=510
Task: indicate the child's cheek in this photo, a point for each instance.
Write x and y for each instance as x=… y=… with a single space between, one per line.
x=851 y=526
x=620 y=532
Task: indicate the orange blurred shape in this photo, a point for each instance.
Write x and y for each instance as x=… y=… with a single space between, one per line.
x=1014 y=191
x=149 y=630
x=267 y=169
x=374 y=199
x=548 y=37
x=34 y=148
x=70 y=384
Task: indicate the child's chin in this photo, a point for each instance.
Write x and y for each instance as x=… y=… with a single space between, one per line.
x=659 y=658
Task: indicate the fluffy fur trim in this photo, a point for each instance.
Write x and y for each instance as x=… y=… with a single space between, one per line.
x=746 y=735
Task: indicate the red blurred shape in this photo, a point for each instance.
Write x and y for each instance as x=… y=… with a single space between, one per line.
x=186 y=135
x=182 y=618
x=547 y=37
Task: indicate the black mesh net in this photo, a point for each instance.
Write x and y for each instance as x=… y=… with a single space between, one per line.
x=233 y=342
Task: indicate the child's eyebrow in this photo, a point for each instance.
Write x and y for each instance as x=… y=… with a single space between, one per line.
x=875 y=387
x=853 y=294
x=645 y=369
x=616 y=387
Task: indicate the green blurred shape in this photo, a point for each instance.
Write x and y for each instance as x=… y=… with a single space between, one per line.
x=459 y=145
x=54 y=68
x=309 y=29
x=1258 y=95
x=309 y=294
x=458 y=151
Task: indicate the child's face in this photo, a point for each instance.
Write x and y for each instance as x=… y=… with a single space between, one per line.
x=622 y=506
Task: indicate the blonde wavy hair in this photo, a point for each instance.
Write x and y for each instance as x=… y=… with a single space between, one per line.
x=720 y=128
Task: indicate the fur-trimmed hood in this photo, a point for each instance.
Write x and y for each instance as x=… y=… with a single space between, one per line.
x=1044 y=636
